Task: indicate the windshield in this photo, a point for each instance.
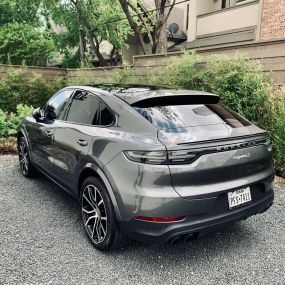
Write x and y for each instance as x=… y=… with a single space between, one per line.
x=180 y=116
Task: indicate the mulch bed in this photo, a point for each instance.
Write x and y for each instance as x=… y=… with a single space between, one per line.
x=279 y=180
x=8 y=145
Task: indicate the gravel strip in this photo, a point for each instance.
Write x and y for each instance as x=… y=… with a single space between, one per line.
x=42 y=242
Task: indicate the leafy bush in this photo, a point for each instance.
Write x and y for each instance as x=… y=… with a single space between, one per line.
x=240 y=82
x=125 y=75
x=275 y=125
x=18 y=87
x=22 y=42
x=9 y=122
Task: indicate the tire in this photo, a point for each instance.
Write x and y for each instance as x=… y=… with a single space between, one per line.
x=98 y=216
x=27 y=169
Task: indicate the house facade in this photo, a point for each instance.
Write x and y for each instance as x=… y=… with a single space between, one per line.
x=215 y=23
x=220 y=22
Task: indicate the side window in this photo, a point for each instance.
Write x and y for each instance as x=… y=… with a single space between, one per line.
x=84 y=109
x=57 y=104
x=106 y=117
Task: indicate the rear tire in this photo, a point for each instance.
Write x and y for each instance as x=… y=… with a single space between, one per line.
x=98 y=216
x=27 y=169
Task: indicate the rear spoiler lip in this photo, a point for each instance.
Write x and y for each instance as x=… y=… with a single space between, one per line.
x=172 y=100
x=261 y=135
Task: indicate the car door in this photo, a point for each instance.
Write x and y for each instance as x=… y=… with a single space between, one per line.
x=41 y=132
x=73 y=137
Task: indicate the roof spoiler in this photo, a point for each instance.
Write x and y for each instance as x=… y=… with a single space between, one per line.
x=177 y=100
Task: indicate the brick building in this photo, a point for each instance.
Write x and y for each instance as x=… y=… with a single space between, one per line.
x=272 y=24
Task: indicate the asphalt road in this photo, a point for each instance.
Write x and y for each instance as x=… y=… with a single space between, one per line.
x=42 y=242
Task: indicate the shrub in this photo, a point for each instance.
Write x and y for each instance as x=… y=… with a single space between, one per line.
x=9 y=122
x=23 y=43
x=125 y=75
x=275 y=124
x=19 y=87
x=184 y=71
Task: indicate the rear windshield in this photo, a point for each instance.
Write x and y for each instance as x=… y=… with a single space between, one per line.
x=172 y=117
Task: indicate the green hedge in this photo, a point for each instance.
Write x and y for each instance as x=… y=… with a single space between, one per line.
x=19 y=87
x=240 y=82
x=9 y=122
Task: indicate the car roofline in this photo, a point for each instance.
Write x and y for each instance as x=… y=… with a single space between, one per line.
x=155 y=96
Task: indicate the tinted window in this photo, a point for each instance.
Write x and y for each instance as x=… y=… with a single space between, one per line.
x=57 y=104
x=106 y=117
x=171 y=117
x=84 y=109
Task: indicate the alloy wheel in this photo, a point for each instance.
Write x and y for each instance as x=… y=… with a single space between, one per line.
x=94 y=214
x=23 y=157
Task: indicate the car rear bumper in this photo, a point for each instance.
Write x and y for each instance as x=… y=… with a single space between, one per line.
x=160 y=233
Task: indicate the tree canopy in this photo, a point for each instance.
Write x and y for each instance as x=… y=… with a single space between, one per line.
x=87 y=24
x=72 y=32
x=22 y=43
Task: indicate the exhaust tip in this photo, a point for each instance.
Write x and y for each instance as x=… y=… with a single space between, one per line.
x=191 y=237
x=184 y=238
x=175 y=240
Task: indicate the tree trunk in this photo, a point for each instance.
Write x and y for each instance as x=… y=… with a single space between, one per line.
x=162 y=43
x=134 y=26
x=160 y=37
x=81 y=48
x=95 y=48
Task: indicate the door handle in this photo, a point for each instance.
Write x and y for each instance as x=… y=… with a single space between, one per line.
x=82 y=142
x=49 y=133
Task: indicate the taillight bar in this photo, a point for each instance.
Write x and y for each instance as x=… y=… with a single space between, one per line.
x=161 y=157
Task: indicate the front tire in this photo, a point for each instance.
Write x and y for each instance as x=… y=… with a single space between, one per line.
x=98 y=216
x=27 y=169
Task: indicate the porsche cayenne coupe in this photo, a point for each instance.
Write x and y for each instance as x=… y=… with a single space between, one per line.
x=149 y=163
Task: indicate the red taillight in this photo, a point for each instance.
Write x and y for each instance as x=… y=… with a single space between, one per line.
x=159 y=220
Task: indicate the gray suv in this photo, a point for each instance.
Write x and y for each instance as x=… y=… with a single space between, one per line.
x=148 y=163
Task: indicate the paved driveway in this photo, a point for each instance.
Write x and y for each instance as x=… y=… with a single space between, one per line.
x=42 y=241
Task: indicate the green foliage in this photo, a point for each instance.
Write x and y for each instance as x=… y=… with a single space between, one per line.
x=240 y=82
x=20 y=11
x=71 y=60
x=275 y=125
x=9 y=122
x=94 y=19
x=18 y=87
x=23 y=43
x=124 y=75
x=180 y=72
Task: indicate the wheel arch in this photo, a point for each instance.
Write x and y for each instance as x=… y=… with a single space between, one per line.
x=95 y=171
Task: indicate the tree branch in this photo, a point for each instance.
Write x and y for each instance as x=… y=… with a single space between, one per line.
x=142 y=20
x=96 y=48
x=133 y=24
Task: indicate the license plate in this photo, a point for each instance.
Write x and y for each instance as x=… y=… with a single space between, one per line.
x=239 y=197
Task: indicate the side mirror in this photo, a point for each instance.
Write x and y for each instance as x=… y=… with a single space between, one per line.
x=50 y=114
x=38 y=114
x=44 y=114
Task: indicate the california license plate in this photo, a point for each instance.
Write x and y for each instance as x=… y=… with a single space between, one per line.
x=239 y=197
